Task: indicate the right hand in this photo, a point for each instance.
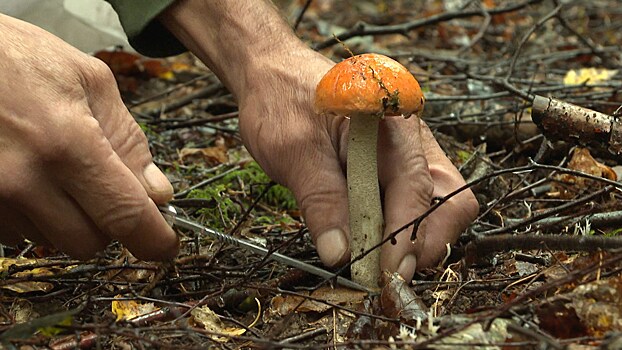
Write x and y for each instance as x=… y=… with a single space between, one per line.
x=75 y=167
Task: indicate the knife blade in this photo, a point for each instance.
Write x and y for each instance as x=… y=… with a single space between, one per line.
x=173 y=218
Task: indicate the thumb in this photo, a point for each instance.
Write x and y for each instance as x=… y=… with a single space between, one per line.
x=320 y=190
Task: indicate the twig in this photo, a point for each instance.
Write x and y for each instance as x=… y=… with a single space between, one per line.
x=215 y=178
x=548 y=213
x=304 y=336
x=485 y=246
x=362 y=29
x=185 y=100
x=526 y=36
x=608 y=219
x=304 y=9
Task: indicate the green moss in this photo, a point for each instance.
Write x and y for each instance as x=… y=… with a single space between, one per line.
x=463 y=156
x=147 y=130
x=224 y=210
x=253 y=175
x=228 y=205
x=614 y=233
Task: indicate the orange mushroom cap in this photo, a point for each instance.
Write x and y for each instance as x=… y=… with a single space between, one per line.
x=369 y=84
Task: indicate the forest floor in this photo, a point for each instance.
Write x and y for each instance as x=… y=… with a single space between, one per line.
x=539 y=268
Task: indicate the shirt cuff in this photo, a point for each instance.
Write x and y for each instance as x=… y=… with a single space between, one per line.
x=145 y=33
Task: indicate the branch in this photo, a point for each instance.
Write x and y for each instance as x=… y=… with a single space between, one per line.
x=362 y=28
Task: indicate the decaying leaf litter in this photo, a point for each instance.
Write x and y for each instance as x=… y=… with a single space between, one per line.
x=539 y=267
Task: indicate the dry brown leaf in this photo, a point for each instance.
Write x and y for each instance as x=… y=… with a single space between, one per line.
x=286 y=304
x=591 y=309
x=129 y=274
x=211 y=155
x=120 y=62
x=398 y=300
x=123 y=63
x=568 y=185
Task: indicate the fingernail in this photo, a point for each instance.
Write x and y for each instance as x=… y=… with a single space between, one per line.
x=332 y=246
x=407 y=267
x=157 y=181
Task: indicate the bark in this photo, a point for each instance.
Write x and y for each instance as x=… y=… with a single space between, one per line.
x=564 y=121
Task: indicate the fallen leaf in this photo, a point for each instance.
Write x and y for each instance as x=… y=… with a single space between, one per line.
x=588 y=76
x=476 y=336
x=559 y=320
x=599 y=305
x=211 y=155
x=120 y=62
x=205 y=318
x=126 y=310
x=128 y=274
x=123 y=63
x=363 y=324
x=591 y=309
x=398 y=300
x=286 y=304
x=568 y=185
x=27 y=329
x=520 y=268
x=28 y=286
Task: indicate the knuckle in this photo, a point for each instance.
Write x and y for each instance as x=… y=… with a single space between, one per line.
x=123 y=220
x=96 y=71
x=133 y=141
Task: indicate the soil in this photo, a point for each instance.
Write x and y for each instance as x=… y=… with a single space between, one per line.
x=539 y=268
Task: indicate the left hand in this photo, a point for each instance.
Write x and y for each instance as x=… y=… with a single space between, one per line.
x=307 y=153
x=273 y=75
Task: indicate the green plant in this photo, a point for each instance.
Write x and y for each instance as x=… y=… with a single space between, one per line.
x=224 y=209
x=252 y=175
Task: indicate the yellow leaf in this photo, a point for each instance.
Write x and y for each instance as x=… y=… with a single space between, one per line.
x=29 y=286
x=204 y=317
x=168 y=75
x=588 y=76
x=129 y=309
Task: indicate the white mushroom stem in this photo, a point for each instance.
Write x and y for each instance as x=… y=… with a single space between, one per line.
x=366 y=222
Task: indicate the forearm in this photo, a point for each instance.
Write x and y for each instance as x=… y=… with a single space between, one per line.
x=236 y=39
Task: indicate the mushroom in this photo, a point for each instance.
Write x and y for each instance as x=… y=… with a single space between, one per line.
x=366 y=88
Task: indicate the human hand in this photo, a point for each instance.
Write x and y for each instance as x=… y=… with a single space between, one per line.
x=273 y=76
x=307 y=153
x=75 y=167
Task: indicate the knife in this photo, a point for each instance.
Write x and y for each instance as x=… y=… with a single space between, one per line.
x=173 y=218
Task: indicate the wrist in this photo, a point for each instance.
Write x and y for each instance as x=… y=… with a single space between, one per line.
x=236 y=40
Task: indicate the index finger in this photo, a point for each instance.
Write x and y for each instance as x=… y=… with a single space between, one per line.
x=113 y=197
